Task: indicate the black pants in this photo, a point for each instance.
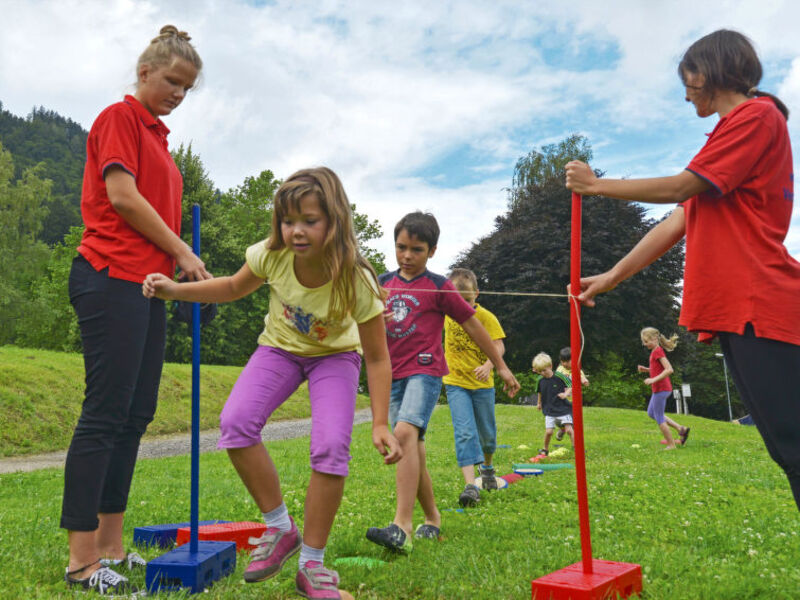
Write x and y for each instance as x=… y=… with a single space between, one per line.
x=765 y=373
x=123 y=335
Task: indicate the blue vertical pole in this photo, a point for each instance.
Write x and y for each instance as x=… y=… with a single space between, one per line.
x=195 y=476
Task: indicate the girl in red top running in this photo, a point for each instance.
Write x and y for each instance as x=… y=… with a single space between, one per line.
x=658 y=377
x=734 y=207
x=131 y=209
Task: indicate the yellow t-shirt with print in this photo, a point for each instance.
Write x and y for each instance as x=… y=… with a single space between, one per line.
x=298 y=319
x=463 y=355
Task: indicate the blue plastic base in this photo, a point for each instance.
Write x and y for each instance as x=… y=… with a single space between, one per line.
x=182 y=569
x=162 y=536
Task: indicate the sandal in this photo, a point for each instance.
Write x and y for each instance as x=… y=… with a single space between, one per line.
x=427 y=531
x=684 y=435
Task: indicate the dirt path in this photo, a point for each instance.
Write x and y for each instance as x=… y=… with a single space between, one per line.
x=173 y=445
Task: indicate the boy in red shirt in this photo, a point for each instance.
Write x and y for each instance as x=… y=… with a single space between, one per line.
x=416 y=304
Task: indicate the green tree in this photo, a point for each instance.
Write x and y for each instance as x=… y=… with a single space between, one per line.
x=57 y=144
x=23 y=206
x=529 y=251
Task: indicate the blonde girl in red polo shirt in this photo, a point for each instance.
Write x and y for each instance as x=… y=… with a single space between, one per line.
x=734 y=208
x=325 y=310
x=131 y=209
x=658 y=372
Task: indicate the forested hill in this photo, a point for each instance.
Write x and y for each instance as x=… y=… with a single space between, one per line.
x=59 y=144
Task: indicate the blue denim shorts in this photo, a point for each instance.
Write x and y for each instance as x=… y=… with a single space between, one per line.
x=413 y=400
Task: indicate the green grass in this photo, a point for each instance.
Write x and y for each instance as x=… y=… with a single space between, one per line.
x=714 y=520
x=41 y=394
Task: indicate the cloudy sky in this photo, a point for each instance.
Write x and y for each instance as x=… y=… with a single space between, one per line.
x=416 y=105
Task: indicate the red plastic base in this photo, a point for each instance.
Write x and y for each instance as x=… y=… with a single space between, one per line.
x=238 y=532
x=609 y=580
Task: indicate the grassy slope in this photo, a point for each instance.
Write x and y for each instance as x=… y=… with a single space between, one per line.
x=714 y=520
x=41 y=394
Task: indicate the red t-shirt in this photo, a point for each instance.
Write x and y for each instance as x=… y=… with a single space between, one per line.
x=737 y=268
x=656 y=368
x=126 y=134
x=414 y=334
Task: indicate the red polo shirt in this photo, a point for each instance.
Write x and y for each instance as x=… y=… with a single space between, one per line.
x=127 y=135
x=737 y=268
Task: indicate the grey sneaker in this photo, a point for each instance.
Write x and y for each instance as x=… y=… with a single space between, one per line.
x=391 y=537
x=560 y=434
x=132 y=560
x=488 y=480
x=470 y=496
x=104 y=581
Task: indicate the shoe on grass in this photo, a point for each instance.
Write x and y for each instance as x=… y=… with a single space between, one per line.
x=392 y=537
x=560 y=433
x=272 y=550
x=543 y=452
x=315 y=581
x=104 y=581
x=132 y=560
x=427 y=531
x=470 y=496
x=488 y=480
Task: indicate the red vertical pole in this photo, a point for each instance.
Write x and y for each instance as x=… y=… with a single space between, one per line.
x=577 y=391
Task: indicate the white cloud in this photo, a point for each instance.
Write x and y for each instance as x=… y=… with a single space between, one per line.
x=379 y=91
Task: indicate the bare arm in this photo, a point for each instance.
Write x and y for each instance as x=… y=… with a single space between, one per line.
x=221 y=289
x=379 y=379
x=654 y=190
x=483 y=371
x=654 y=244
x=140 y=214
x=480 y=336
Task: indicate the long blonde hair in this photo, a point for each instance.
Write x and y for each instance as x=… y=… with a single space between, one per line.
x=169 y=43
x=342 y=259
x=668 y=344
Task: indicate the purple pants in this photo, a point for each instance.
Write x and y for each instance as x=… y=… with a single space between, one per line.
x=658 y=403
x=270 y=377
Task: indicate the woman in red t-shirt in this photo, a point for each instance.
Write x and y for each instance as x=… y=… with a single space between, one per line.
x=658 y=377
x=734 y=207
x=131 y=207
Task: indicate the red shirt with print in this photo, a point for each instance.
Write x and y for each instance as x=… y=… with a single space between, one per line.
x=737 y=268
x=127 y=135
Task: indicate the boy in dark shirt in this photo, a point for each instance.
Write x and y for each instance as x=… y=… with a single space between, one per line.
x=552 y=392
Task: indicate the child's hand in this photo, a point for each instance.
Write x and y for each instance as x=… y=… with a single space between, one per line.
x=510 y=383
x=482 y=372
x=386 y=444
x=648 y=381
x=158 y=285
x=388 y=316
x=642 y=369
x=539 y=407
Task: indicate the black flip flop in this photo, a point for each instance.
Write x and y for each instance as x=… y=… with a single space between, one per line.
x=685 y=435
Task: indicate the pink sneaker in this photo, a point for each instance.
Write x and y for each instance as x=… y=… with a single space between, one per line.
x=315 y=581
x=274 y=548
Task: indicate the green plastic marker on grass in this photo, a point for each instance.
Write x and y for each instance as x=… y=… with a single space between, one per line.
x=544 y=466
x=361 y=561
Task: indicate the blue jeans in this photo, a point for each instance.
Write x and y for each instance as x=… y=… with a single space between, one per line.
x=413 y=400
x=474 y=427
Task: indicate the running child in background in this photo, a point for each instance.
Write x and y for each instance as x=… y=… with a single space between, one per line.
x=552 y=392
x=734 y=207
x=658 y=377
x=565 y=368
x=470 y=391
x=325 y=308
x=416 y=304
